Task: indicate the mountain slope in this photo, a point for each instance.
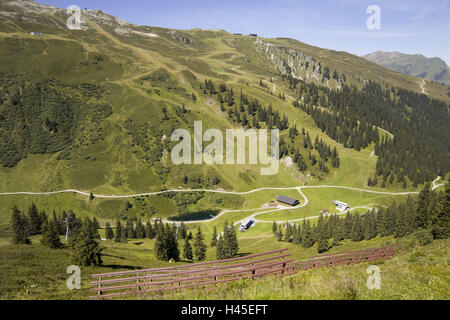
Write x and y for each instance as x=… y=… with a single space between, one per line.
x=138 y=84
x=433 y=69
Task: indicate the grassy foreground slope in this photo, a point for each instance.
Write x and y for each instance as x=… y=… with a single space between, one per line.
x=417 y=273
x=35 y=272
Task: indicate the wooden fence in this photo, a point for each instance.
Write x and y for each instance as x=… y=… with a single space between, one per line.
x=154 y=281
x=351 y=257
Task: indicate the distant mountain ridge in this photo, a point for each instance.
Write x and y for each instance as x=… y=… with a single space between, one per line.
x=434 y=69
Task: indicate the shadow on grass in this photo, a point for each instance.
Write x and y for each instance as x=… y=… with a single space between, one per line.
x=116 y=266
x=111 y=256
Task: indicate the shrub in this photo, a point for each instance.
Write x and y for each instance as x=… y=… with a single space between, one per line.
x=424 y=237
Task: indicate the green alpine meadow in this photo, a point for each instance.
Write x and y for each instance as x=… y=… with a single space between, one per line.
x=93 y=205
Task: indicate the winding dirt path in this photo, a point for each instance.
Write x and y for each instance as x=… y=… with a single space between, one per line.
x=276 y=209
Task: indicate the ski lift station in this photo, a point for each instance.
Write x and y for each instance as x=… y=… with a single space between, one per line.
x=246 y=225
x=341 y=206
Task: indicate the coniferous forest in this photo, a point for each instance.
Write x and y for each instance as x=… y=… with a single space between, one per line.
x=420 y=146
x=427 y=218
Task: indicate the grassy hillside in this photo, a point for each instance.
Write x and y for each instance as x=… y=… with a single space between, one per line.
x=35 y=272
x=123 y=87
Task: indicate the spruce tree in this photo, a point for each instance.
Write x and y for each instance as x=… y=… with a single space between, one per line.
x=440 y=227
x=423 y=208
x=369 y=226
x=19 y=228
x=220 y=249
x=109 y=232
x=308 y=237
x=289 y=234
x=119 y=232
x=280 y=233
x=199 y=246
x=161 y=248
x=230 y=240
x=86 y=249
x=183 y=231
x=171 y=245
x=94 y=225
x=275 y=229
x=34 y=220
x=357 y=229
x=50 y=237
x=150 y=231
x=214 y=237
x=323 y=243
x=187 y=250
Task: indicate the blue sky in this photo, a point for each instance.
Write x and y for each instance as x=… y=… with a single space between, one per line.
x=409 y=26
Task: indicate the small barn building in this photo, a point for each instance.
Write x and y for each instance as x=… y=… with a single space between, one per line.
x=288 y=201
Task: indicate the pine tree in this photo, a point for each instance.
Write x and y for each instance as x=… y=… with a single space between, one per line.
x=19 y=228
x=288 y=235
x=140 y=230
x=423 y=208
x=150 y=231
x=187 y=250
x=59 y=224
x=44 y=220
x=357 y=229
x=323 y=243
x=50 y=237
x=275 y=229
x=369 y=226
x=214 y=237
x=220 y=249
x=109 y=232
x=183 y=231
x=35 y=220
x=173 y=252
x=119 y=232
x=230 y=239
x=440 y=226
x=130 y=230
x=86 y=249
x=279 y=234
x=199 y=246
x=94 y=228
x=308 y=237
x=161 y=248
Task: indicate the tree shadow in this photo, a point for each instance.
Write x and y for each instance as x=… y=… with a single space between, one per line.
x=111 y=256
x=241 y=255
x=116 y=266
